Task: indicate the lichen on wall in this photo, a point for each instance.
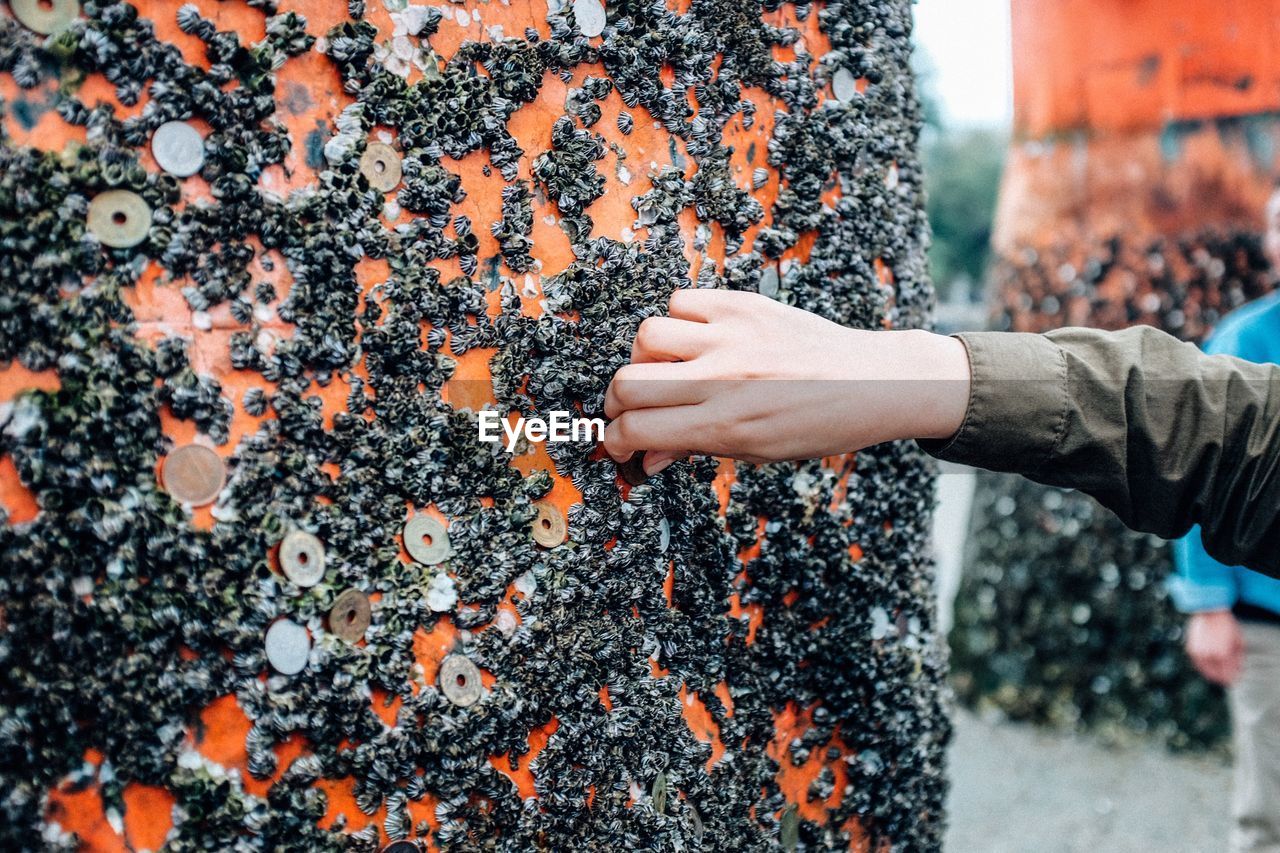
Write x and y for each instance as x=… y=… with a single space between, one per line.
x=722 y=657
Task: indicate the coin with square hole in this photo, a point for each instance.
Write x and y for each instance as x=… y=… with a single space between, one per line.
x=350 y=615
x=193 y=474
x=548 y=526
x=426 y=540
x=460 y=680
x=380 y=165
x=119 y=218
x=302 y=557
x=45 y=17
x=178 y=148
x=288 y=645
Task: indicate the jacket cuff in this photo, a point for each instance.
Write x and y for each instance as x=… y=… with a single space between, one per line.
x=1018 y=401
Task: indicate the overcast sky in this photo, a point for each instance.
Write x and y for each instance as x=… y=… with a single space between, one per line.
x=966 y=43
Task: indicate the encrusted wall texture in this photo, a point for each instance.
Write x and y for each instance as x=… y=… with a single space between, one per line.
x=1144 y=147
x=724 y=657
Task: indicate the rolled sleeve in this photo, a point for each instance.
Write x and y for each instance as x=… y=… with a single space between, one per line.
x=1018 y=401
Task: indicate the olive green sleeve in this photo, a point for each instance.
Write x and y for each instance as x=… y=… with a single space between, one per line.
x=1160 y=433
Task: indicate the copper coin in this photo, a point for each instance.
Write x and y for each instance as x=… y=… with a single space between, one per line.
x=349 y=617
x=402 y=847
x=193 y=474
x=548 y=527
x=460 y=680
x=380 y=165
x=45 y=17
x=632 y=471
x=119 y=218
x=426 y=540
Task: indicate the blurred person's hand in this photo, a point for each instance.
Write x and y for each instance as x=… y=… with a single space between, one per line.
x=741 y=375
x=1216 y=645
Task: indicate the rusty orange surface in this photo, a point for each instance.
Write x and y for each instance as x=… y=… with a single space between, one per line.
x=309 y=96
x=1139 y=117
x=1131 y=64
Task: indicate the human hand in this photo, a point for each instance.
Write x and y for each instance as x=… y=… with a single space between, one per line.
x=1216 y=645
x=738 y=374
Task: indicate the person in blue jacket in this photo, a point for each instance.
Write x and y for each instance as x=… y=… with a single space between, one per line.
x=1233 y=635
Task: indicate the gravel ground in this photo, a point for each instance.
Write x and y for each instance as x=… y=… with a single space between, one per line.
x=1016 y=789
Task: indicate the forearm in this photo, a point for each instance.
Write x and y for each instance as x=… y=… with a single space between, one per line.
x=1158 y=432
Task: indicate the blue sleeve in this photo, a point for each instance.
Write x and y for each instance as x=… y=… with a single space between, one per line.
x=1201 y=582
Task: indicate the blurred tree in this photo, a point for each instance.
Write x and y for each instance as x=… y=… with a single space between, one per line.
x=962 y=178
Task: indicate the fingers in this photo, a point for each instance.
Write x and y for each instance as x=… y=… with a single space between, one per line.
x=669 y=339
x=674 y=429
x=703 y=306
x=1219 y=668
x=654 y=385
x=659 y=460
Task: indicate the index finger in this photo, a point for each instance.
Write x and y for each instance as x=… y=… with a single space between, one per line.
x=700 y=304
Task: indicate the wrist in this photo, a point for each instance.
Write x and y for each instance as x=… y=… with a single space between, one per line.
x=936 y=399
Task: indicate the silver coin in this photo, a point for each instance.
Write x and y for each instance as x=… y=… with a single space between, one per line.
x=45 y=17
x=460 y=680
x=426 y=540
x=844 y=85
x=302 y=558
x=664 y=535
x=590 y=16
x=288 y=646
x=178 y=148
x=769 y=281
x=119 y=218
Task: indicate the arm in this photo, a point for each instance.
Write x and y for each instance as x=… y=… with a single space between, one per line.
x=1159 y=433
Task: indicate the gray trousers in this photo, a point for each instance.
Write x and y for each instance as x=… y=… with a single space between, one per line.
x=1255 y=726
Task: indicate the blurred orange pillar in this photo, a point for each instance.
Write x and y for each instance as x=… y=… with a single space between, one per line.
x=1139 y=117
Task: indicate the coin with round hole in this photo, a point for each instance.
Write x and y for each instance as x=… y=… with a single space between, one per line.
x=288 y=646
x=119 y=218
x=426 y=540
x=178 y=148
x=193 y=474
x=350 y=615
x=460 y=680
x=45 y=17
x=548 y=526
x=302 y=557
x=380 y=165
x=590 y=16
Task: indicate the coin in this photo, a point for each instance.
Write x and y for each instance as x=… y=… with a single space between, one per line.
x=402 y=847
x=119 y=218
x=632 y=471
x=193 y=474
x=590 y=16
x=349 y=617
x=426 y=540
x=288 y=646
x=460 y=680
x=45 y=17
x=658 y=792
x=380 y=165
x=302 y=558
x=664 y=535
x=548 y=526
x=844 y=85
x=178 y=148
x=769 y=281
